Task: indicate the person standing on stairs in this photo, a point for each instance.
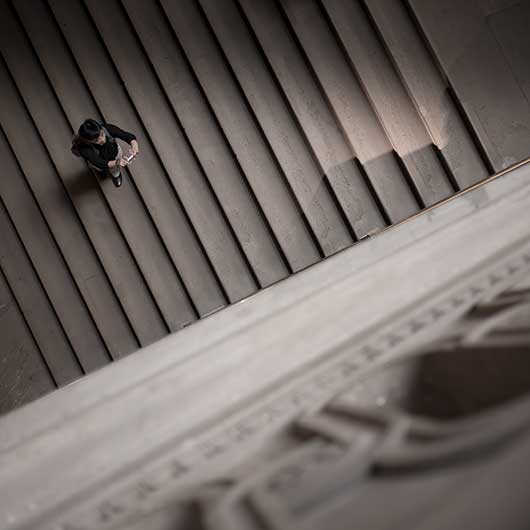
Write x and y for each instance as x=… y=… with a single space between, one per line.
x=97 y=144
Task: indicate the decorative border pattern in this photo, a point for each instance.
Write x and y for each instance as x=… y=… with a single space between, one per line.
x=208 y=457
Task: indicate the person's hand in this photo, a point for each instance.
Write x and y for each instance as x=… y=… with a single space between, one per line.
x=121 y=162
x=133 y=151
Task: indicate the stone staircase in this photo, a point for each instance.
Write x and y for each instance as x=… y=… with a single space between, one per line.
x=273 y=135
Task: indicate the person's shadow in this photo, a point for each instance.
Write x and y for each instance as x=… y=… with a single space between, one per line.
x=85 y=182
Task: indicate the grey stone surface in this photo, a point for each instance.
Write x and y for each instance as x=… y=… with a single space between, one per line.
x=235 y=431
x=272 y=136
x=465 y=41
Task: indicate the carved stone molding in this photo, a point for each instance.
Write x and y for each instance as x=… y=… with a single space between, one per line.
x=362 y=404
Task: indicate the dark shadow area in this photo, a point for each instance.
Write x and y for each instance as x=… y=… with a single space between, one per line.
x=451 y=385
x=85 y=182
